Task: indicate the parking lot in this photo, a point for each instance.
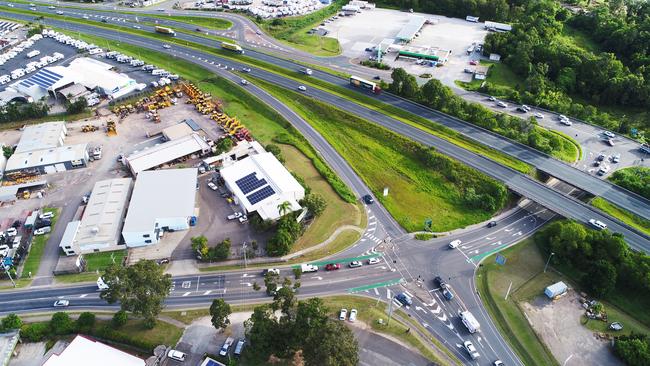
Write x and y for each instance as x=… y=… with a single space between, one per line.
x=358 y=32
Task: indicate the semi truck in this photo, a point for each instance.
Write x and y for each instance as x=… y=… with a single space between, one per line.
x=470 y=321
x=233 y=47
x=165 y=30
x=359 y=82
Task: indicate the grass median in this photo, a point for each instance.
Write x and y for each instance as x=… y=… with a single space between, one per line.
x=627 y=217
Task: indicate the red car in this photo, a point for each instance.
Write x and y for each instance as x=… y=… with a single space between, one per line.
x=332 y=266
x=473 y=62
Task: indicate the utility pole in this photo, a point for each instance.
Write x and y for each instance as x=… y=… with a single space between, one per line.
x=245 y=263
x=548 y=260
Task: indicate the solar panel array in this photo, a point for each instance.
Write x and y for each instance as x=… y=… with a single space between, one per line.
x=43 y=78
x=250 y=183
x=212 y=363
x=258 y=196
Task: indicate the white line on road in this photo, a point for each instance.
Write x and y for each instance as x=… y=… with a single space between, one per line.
x=207 y=292
x=376 y=291
x=84 y=295
x=388 y=294
x=187 y=293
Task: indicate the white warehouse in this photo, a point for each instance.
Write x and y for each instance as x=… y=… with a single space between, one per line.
x=162 y=200
x=261 y=183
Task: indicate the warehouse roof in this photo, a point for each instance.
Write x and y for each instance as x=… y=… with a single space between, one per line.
x=261 y=183
x=42 y=157
x=41 y=136
x=94 y=73
x=166 y=152
x=83 y=351
x=160 y=194
x=413 y=26
x=177 y=131
x=102 y=218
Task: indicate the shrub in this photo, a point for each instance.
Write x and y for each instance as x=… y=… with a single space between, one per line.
x=61 y=324
x=11 y=321
x=119 y=319
x=34 y=332
x=85 y=322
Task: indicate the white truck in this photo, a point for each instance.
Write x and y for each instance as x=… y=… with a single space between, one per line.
x=308 y=268
x=470 y=321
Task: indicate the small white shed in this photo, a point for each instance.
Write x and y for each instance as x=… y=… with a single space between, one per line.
x=556 y=289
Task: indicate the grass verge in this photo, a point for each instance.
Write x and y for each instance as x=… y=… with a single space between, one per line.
x=95 y=263
x=627 y=217
x=37 y=248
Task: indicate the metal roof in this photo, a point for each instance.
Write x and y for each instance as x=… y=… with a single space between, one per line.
x=44 y=78
x=42 y=136
x=413 y=26
x=166 y=152
x=43 y=157
x=83 y=351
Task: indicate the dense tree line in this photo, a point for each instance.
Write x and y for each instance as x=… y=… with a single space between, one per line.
x=494 y=10
x=634 y=349
x=552 y=68
x=636 y=179
x=438 y=96
x=602 y=259
x=13 y=112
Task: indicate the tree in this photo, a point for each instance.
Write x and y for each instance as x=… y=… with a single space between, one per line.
x=634 y=349
x=140 y=289
x=119 y=319
x=256 y=286
x=200 y=245
x=221 y=251
x=220 y=310
x=223 y=145
x=601 y=278
x=7 y=151
x=275 y=150
x=85 y=322
x=76 y=107
x=61 y=324
x=284 y=208
x=315 y=203
x=334 y=345
x=11 y=321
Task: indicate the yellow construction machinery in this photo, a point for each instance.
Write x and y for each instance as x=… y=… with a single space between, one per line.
x=88 y=128
x=110 y=128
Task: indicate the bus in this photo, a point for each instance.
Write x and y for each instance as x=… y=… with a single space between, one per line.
x=359 y=82
x=233 y=47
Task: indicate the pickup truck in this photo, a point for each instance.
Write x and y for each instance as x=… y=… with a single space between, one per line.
x=226 y=346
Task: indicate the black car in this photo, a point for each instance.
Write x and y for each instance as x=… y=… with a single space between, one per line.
x=492 y=224
x=16 y=224
x=368 y=199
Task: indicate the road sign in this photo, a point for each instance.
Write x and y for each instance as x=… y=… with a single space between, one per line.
x=501 y=259
x=427 y=224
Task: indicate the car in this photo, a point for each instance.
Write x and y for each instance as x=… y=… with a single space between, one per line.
x=104 y=21
x=438 y=282
x=302 y=88
x=11 y=231
x=604 y=169
x=343 y=314
x=59 y=12
x=498 y=363
x=136 y=27
x=239 y=348
x=42 y=231
x=236 y=215
x=61 y=303
x=355 y=264
x=166 y=46
x=332 y=266
x=447 y=294
x=368 y=199
x=246 y=70
x=597 y=162
x=471 y=350
x=16 y=224
x=243 y=219
x=566 y=122
x=600 y=157
x=374 y=260
x=598 y=224
x=473 y=62
x=492 y=99
x=538 y=115
x=376 y=77
x=353 y=315
x=198 y=30
x=4 y=250
x=616 y=158
x=212 y=186
x=522 y=109
x=176 y=355
x=492 y=224
x=244 y=82
x=561 y=117
x=404 y=299
x=193 y=220
x=609 y=134
x=502 y=104
x=258 y=32
x=162 y=261
x=454 y=244
x=610 y=142
x=226 y=346
x=271 y=270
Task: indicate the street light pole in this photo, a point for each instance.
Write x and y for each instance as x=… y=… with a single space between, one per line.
x=548 y=260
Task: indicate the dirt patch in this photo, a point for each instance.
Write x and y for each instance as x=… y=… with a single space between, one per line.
x=558 y=324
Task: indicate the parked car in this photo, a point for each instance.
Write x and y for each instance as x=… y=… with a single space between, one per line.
x=212 y=186
x=43 y=230
x=502 y=105
x=236 y=215
x=46 y=215
x=355 y=264
x=343 y=314
x=374 y=260
x=616 y=158
x=61 y=303
x=11 y=231
x=332 y=266
x=455 y=243
x=611 y=135
x=538 y=115
x=473 y=62
x=601 y=157
x=471 y=350
x=226 y=346
x=368 y=199
x=353 y=315
x=239 y=348
x=404 y=299
x=610 y=142
x=492 y=99
x=176 y=355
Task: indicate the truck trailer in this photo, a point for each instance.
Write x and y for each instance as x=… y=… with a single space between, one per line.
x=232 y=47
x=365 y=84
x=165 y=30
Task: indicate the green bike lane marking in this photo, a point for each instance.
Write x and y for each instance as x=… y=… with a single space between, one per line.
x=375 y=285
x=478 y=257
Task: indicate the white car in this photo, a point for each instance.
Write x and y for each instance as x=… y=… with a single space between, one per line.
x=166 y=46
x=353 y=315
x=11 y=231
x=176 y=355
x=492 y=99
x=212 y=186
x=46 y=215
x=272 y=270
x=616 y=158
x=61 y=303
x=86 y=17
x=43 y=230
x=561 y=117
x=136 y=27
x=374 y=260
x=302 y=88
x=609 y=134
x=236 y=215
x=246 y=70
x=598 y=224
x=502 y=105
x=4 y=250
x=454 y=244
x=343 y=314
x=356 y=264
x=566 y=122
x=244 y=82
x=471 y=350
x=538 y=115
x=243 y=219
x=59 y=12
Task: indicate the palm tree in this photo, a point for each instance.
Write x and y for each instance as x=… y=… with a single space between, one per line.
x=284 y=208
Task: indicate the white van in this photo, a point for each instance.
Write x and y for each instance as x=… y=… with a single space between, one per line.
x=158 y=72
x=95 y=51
x=5 y=79
x=30 y=69
x=18 y=73
x=33 y=53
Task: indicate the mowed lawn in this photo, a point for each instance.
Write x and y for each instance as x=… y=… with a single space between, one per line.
x=623 y=215
x=415 y=191
x=37 y=248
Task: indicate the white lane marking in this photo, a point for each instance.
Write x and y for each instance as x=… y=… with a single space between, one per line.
x=84 y=295
x=388 y=294
x=187 y=293
x=376 y=291
x=207 y=292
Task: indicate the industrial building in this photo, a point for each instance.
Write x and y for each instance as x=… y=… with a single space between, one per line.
x=41 y=151
x=83 y=351
x=260 y=183
x=411 y=28
x=241 y=150
x=101 y=223
x=162 y=200
x=166 y=152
